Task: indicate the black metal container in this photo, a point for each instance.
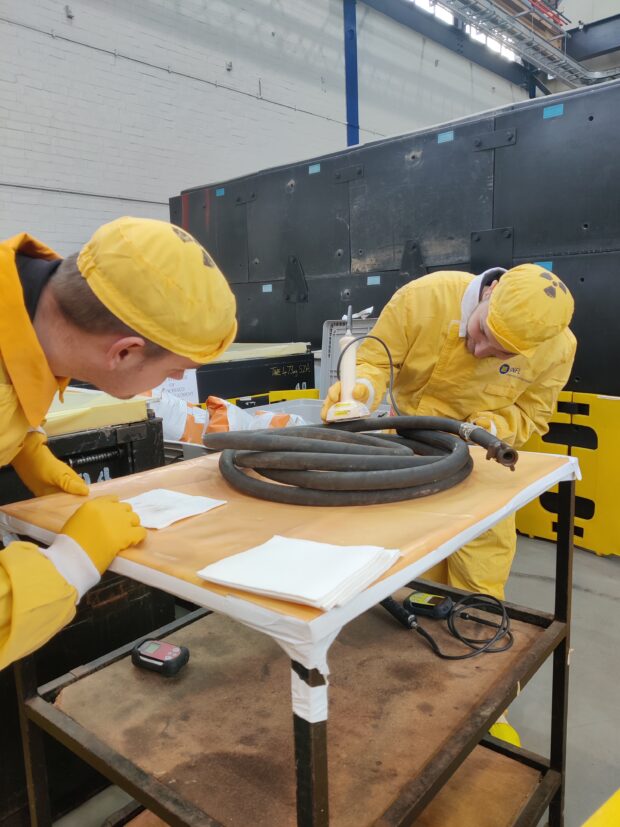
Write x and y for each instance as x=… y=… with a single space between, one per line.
x=113 y=613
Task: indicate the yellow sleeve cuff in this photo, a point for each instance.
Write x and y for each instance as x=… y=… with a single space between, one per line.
x=35 y=601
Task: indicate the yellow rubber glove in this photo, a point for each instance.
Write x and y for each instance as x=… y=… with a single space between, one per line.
x=361 y=392
x=103 y=527
x=484 y=421
x=42 y=473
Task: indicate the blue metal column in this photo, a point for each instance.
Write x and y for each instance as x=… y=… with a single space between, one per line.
x=350 y=71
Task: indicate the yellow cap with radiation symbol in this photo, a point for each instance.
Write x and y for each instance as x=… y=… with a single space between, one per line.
x=158 y=280
x=529 y=306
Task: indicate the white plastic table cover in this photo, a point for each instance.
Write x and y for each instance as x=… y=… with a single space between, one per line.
x=426 y=530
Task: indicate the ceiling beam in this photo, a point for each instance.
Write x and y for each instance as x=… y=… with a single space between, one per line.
x=451 y=37
x=594 y=39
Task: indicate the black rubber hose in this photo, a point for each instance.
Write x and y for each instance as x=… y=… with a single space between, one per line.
x=337 y=465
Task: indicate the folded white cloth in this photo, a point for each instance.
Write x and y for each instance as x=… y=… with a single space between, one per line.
x=303 y=571
x=160 y=507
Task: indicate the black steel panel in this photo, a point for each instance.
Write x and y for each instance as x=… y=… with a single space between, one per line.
x=330 y=296
x=491 y=248
x=558 y=185
x=593 y=280
x=417 y=203
x=295 y=284
x=463 y=266
x=431 y=188
x=268 y=317
x=263 y=314
x=219 y=222
x=493 y=140
x=176 y=216
x=303 y=212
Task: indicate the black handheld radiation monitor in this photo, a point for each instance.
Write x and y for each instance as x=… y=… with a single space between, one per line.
x=159 y=656
x=428 y=605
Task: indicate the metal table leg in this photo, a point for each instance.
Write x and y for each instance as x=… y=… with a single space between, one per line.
x=32 y=739
x=561 y=656
x=310 y=730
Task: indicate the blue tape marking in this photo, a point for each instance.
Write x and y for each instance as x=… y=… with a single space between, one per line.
x=553 y=111
x=373 y=280
x=313 y=169
x=267 y=288
x=444 y=137
x=219 y=192
x=548 y=265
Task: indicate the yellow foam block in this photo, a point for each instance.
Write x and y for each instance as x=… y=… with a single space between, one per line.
x=240 y=351
x=85 y=410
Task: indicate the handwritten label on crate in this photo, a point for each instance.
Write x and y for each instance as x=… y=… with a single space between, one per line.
x=291 y=370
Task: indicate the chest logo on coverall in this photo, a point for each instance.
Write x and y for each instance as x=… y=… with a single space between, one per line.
x=505 y=368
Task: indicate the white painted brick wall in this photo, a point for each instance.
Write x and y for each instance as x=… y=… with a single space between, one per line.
x=408 y=82
x=65 y=220
x=75 y=116
x=127 y=103
x=588 y=10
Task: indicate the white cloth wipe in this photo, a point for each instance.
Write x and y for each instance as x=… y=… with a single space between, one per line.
x=160 y=507
x=303 y=571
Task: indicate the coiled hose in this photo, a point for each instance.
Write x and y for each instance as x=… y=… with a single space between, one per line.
x=336 y=465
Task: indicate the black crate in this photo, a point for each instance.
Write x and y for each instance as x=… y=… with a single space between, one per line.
x=113 y=613
x=251 y=376
x=98 y=455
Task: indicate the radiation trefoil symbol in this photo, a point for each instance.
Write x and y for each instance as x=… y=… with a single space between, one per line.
x=555 y=282
x=188 y=239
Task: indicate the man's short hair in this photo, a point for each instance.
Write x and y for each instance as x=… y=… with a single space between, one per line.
x=82 y=308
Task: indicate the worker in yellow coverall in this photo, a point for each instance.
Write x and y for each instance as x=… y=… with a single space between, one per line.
x=494 y=350
x=140 y=302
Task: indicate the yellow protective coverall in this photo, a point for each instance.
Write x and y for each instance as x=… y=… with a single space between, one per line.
x=435 y=375
x=35 y=600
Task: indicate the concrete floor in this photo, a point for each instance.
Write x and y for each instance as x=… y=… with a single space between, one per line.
x=593 y=758
x=593 y=766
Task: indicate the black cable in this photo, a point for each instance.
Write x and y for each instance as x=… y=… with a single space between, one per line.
x=461 y=611
x=390 y=389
